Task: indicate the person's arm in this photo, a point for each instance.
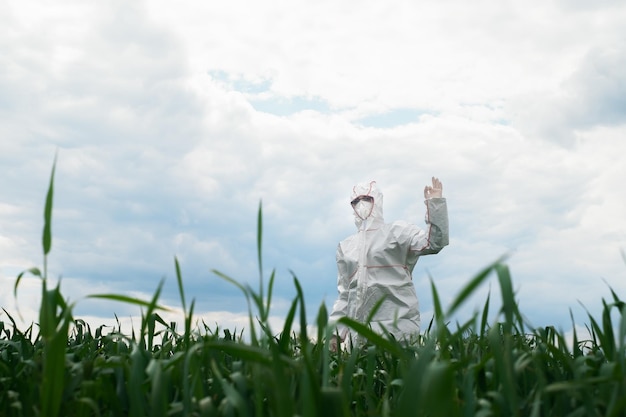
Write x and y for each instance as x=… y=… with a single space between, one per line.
x=341 y=304
x=436 y=235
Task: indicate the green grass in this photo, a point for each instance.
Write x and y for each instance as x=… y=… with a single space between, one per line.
x=61 y=366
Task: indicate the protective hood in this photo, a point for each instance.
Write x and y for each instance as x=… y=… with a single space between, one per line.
x=366 y=211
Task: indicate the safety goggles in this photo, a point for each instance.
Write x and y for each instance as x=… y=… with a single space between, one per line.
x=367 y=198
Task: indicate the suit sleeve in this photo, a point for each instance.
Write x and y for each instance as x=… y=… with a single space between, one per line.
x=436 y=235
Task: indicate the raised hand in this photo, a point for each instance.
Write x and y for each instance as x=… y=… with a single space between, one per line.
x=435 y=190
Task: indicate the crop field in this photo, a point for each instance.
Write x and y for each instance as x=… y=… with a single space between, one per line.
x=61 y=366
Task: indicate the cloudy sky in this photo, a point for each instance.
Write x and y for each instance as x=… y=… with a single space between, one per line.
x=173 y=122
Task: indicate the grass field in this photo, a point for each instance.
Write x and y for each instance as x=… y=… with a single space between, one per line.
x=61 y=366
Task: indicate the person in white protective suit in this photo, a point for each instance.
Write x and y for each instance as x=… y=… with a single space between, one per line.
x=377 y=262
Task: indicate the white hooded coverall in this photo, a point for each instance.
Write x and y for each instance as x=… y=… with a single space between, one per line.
x=378 y=261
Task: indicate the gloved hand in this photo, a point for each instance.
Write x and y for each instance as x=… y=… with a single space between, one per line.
x=336 y=341
x=434 y=191
x=333 y=344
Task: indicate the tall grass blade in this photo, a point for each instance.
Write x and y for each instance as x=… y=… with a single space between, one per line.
x=439 y=316
x=158 y=386
x=259 y=246
x=55 y=333
x=128 y=300
x=179 y=280
x=373 y=337
x=33 y=271
x=285 y=337
x=270 y=289
x=47 y=227
x=509 y=306
x=485 y=315
x=181 y=291
x=136 y=377
x=304 y=339
x=608 y=341
x=148 y=322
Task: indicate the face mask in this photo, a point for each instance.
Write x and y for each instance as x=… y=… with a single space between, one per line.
x=363 y=209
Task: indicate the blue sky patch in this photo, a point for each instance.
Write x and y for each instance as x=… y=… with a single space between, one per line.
x=282 y=106
x=392 y=118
